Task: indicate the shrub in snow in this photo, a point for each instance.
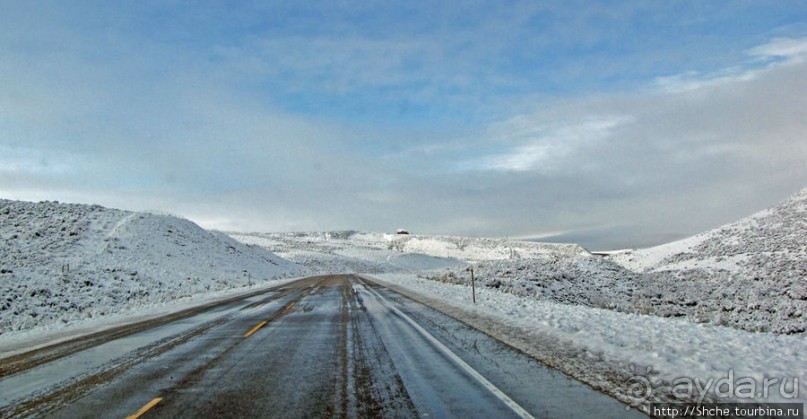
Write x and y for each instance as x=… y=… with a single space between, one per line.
x=64 y=262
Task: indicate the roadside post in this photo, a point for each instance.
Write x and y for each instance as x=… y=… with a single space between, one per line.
x=473 y=285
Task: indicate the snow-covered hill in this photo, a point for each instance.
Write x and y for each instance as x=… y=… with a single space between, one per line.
x=750 y=275
x=357 y=252
x=472 y=249
x=770 y=244
x=65 y=262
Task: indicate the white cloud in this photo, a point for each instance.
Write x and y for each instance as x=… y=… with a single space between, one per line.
x=548 y=144
x=133 y=123
x=655 y=164
x=791 y=49
x=778 y=52
x=693 y=81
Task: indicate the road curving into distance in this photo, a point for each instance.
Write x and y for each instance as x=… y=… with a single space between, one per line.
x=327 y=346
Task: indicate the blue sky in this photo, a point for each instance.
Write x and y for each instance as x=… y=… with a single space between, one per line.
x=609 y=123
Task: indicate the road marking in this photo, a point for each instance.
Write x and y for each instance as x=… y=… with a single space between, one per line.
x=255 y=329
x=145 y=408
x=520 y=411
x=288 y=308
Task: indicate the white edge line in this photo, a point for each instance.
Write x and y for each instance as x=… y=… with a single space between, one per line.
x=469 y=369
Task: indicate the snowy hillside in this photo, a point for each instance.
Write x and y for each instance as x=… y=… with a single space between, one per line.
x=356 y=252
x=65 y=262
x=322 y=253
x=697 y=296
x=472 y=249
x=751 y=273
x=771 y=243
x=349 y=252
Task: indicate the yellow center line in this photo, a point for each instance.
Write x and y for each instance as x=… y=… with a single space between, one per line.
x=145 y=408
x=255 y=329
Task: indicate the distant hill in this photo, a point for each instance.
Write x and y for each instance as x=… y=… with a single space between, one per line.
x=66 y=262
x=352 y=251
x=769 y=245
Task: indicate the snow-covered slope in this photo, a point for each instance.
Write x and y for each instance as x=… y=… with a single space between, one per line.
x=352 y=252
x=323 y=252
x=770 y=244
x=66 y=262
x=750 y=274
x=471 y=249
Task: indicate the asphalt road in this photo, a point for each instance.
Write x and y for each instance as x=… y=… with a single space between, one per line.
x=330 y=346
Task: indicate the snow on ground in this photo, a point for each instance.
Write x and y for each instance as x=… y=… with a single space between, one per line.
x=62 y=263
x=329 y=252
x=339 y=251
x=12 y=343
x=770 y=243
x=616 y=352
x=471 y=249
x=655 y=316
x=776 y=302
x=590 y=316
x=750 y=274
x=351 y=252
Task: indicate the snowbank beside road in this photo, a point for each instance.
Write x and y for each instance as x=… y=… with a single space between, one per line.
x=614 y=351
x=61 y=263
x=775 y=304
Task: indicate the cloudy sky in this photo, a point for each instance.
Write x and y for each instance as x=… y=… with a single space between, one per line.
x=612 y=124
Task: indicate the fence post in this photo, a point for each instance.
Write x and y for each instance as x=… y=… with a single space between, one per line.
x=473 y=284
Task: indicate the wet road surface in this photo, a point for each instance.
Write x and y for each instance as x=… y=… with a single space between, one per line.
x=329 y=346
